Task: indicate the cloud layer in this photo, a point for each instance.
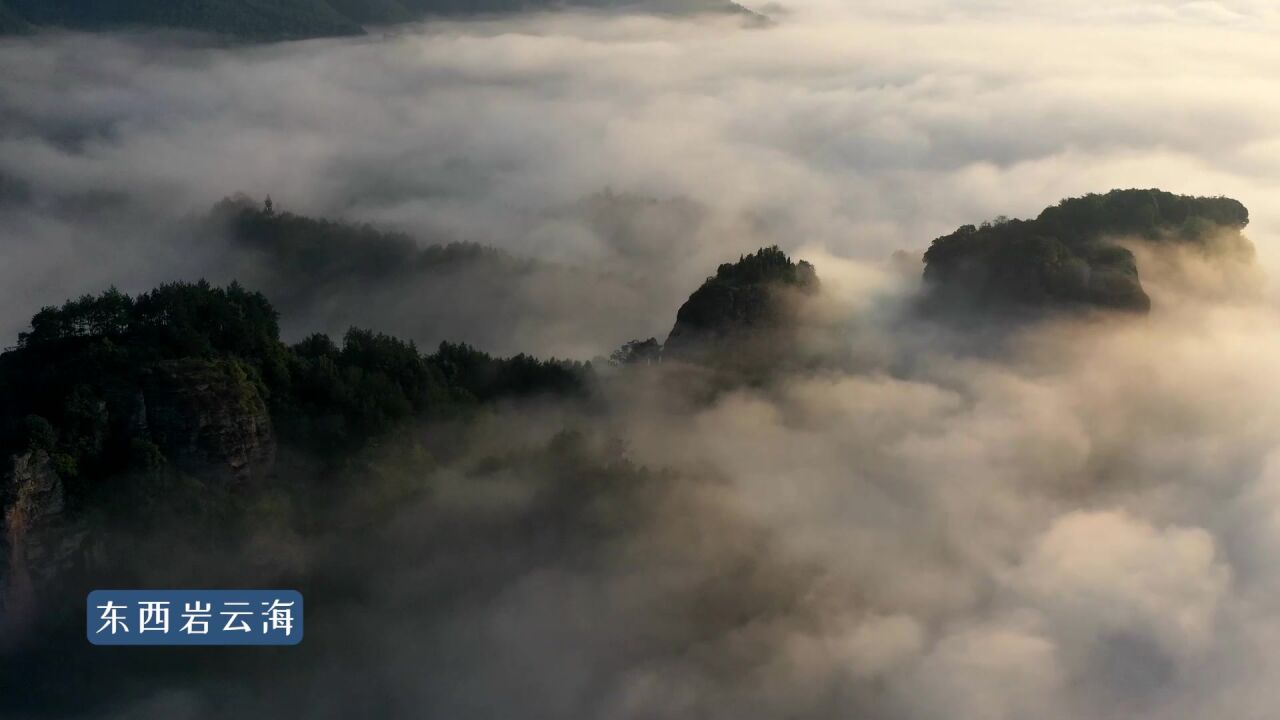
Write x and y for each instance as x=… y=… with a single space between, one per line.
x=851 y=132
x=1074 y=522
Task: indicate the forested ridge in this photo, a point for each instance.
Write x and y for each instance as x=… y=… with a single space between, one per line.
x=322 y=394
x=1073 y=254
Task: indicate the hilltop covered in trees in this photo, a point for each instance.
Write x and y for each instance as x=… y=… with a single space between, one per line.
x=742 y=320
x=742 y=298
x=84 y=384
x=1071 y=255
x=303 y=260
x=156 y=440
x=325 y=275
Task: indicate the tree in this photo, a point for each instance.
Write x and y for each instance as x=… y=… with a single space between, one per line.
x=637 y=352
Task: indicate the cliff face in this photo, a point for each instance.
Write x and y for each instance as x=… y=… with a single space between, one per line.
x=208 y=419
x=36 y=542
x=1072 y=255
x=743 y=314
x=203 y=418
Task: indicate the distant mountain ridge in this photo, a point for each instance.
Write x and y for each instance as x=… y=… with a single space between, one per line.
x=292 y=19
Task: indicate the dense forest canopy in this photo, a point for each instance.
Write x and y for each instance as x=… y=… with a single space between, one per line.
x=151 y=439
x=84 y=370
x=327 y=275
x=1071 y=254
x=311 y=255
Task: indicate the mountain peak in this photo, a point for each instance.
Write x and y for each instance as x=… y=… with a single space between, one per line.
x=741 y=308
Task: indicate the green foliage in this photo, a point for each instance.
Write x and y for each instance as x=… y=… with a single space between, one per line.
x=487 y=378
x=65 y=465
x=1150 y=214
x=1067 y=255
x=338 y=396
x=108 y=314
x=323 y=250
x=38 y=434
x=319 y=250
x=304 y=261
x=204 y=321
x=174 y=320
x=767 y=265
x=743 y=304
x=80 y=380
x=637 y=352
x=145 y=455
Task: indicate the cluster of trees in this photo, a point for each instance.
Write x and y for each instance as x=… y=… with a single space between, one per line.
x=1012 y=264
x=1068 y=254
x=637 y=352
x=740 y=295
x=72 y=383
x=324 y=252
x=743 y=320
x=338 y=397
x=327 y=275
x=765 y=266
x=368 y=428
x=81 y=382
x=1150 y=214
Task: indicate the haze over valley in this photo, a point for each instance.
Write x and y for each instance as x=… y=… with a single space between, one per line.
x=894 y=360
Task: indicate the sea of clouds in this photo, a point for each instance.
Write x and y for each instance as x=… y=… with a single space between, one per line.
x=1074 y=521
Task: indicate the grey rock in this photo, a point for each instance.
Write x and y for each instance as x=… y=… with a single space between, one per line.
x=209 y=419
x=36 y=543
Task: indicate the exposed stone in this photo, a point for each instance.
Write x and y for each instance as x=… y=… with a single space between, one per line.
x=35 y=543
x=209 y=419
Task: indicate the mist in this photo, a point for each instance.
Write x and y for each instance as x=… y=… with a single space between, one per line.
x=1073 y=521
x=1067 y=519
x=854 y=132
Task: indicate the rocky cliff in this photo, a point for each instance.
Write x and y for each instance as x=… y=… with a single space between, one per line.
x=208 y=419
x=36 y=541
x=200 y=418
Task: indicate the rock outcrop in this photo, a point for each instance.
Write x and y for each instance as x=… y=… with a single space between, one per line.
x=204 y=418
x=208 y=419
x=36 y=543
x=1072 y=256
x=743 y=314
